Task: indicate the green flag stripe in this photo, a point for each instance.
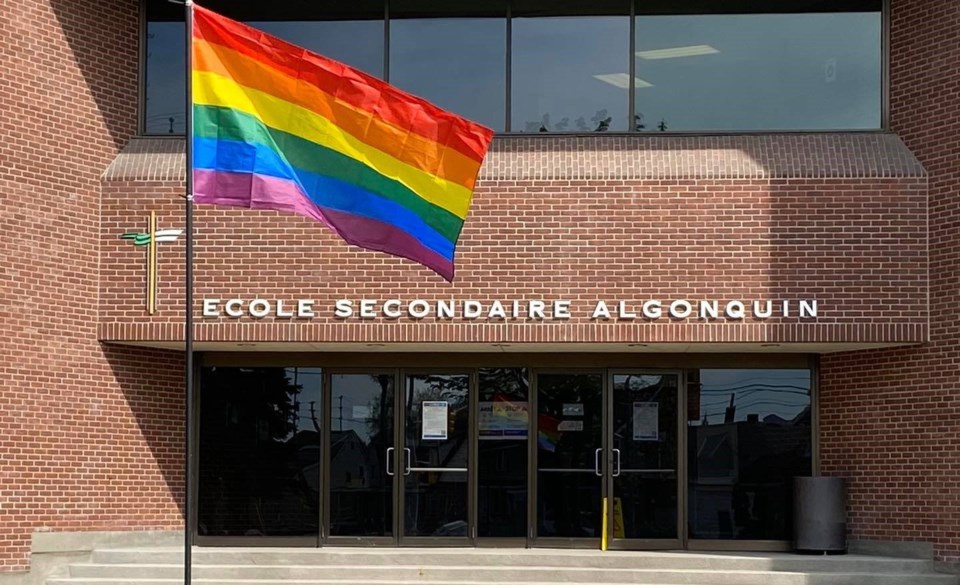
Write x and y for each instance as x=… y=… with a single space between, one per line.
x=224 y=123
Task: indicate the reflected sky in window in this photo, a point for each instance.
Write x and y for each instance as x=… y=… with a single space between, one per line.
x=694 y=72
x=770 y=395
x=759 y=71
x=565 y=74
x=457 y=63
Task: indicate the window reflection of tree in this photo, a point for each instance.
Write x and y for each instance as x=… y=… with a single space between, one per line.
x=254 y=455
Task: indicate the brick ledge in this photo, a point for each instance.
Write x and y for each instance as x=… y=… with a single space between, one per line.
x=625 y=157
x=307 y=332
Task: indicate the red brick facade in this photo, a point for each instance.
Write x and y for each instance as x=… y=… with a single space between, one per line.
x=90 y=438
x=855 y=244
x=91 y=433
x=889 y=419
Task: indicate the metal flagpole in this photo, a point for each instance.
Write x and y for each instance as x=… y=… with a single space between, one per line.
x=188 y=321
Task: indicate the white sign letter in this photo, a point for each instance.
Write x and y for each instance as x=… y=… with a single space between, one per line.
x=680 y=309
x=304 y=308
x=210 y=307
x=259 y=308
x=281 y=312
x=391 y=309
x=419 y=309
x=600 y=311
x=471 y=309
x=344 y=309
x=758 y=310
x=497 y=311
x=561 y=309
x=808 y=309
x=709 y=309
x=444 y=310
x=233 y=308
x=734 y=310
x=367 y=307
x=536 y=309
x=652 y=310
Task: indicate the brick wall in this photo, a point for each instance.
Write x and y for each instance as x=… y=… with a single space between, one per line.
x=840 y=219
x=91 y=434
x=890 y=418
x=88 y=437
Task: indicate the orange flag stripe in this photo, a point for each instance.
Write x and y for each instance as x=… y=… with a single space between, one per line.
x=347 y=84
x=410 y=148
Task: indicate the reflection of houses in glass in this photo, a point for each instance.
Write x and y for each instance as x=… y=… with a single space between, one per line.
x=435 y=485
x=741 y=475
x=357 y=484
x=352 y=462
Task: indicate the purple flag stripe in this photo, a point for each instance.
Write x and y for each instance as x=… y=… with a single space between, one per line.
x=262 y=192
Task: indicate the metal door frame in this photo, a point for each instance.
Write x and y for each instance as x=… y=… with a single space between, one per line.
x=496 y=541
x=400 y=490
x=533 y=466
x=681 y=422
x=326 y=539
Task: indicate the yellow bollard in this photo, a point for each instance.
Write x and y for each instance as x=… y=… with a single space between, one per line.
x=603 y=527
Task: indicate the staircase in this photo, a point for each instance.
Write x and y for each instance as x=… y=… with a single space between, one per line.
x=478 y=566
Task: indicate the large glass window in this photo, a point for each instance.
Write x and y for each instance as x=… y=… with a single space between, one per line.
x=566 y=66
x=457 y=61
x=349 y=32
x=749 y=436
x=560 y=83
x=797 y=71
x=260 y=443
x=503 y=417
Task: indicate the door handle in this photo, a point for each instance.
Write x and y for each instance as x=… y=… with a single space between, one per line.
x=596 y=462
x=406 y=470
x=389 y=453
x=616 y=471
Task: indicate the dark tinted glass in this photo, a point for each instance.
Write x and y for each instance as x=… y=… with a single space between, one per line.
x=741 y=71
x=361 y=432
x=645 y=456
x=260 y=437
x=460 y=64
x=570 y=73
x=699 y=65
x=569 y=440
x=436 y=455
x=354 y=36
x=503 y=417
x=749 y=435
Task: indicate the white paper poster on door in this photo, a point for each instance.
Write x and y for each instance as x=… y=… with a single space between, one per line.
x=434 y=420
x=646 y=421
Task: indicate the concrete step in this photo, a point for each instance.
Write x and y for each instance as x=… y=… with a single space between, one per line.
x=104 y=574
x=479 y=566
x=312 y=582
x=695 y=578
x=517 y=558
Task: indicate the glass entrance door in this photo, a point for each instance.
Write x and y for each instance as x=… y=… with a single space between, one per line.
x=362 y=458
x=570 y=458
x=435 y=460
x=608 y=439
x=643 y=486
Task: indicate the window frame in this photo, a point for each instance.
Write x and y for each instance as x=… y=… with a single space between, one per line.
x=509 y=132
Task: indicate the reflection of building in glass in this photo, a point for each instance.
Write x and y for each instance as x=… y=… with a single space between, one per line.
x=741 y=469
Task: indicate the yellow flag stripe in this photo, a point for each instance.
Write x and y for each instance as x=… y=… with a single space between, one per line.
x=211 y=89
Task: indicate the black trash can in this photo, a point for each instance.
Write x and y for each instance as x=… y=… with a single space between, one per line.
x=820 y=514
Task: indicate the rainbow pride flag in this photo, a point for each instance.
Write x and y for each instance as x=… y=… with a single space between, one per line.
x=278 y=127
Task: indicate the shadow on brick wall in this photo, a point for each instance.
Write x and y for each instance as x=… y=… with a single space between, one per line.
x=152 y=384
x=103 y=38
